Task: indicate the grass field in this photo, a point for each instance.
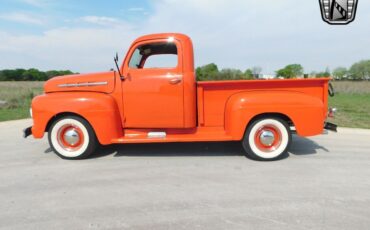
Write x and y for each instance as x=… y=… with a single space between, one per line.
x=17 y=97
x=352 y=100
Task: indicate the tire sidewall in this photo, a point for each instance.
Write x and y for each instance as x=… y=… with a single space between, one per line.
x=87 y=147
x=251 y=148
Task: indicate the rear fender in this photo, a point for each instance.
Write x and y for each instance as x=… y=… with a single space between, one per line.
x=305 y=111
x=99 y=109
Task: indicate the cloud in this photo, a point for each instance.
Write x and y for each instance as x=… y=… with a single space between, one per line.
x=103 y=21
x=22 y=18
x=266 y=33
x=35 y=3
x=136 y=9
x=78 y=49
x=245 y=33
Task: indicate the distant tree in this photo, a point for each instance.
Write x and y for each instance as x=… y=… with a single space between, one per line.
x=290 y=71
x=33 y=75
x=248 y=74
x=30 y=74
x=339 y=73
x=325 y=73
x=211 y=72
x=66 y=72
x=256 y=70
x=313 y=73
x=54 y=73
x=360 y=70
x=207 y=72
x=230 y=74
x=11 y=75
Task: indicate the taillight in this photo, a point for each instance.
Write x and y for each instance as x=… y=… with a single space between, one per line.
x=332 y=112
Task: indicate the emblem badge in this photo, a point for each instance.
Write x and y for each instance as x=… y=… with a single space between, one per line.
x=338 y=12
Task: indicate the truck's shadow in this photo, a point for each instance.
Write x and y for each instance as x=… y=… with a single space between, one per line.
x=300 y=146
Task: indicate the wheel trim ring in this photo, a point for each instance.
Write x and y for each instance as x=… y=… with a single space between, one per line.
x=277 y=138
x=64 y=143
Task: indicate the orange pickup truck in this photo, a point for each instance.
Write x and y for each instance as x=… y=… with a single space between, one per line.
x=145 y=101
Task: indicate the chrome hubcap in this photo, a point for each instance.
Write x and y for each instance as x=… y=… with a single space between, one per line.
x=267 y=138
x=71 y=137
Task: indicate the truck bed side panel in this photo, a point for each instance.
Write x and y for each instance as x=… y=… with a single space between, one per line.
x=302 y=109
x=216 y=94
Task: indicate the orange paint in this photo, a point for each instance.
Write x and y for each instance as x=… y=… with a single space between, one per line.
x=170 y=100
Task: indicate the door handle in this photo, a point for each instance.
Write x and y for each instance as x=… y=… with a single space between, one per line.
x=175 y=80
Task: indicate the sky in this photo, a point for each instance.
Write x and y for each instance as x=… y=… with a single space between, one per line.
x=84 y=35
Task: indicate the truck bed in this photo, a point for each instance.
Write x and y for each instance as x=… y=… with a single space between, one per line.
x=213 y=95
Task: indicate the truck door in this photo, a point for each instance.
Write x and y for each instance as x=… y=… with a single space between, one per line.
x=153 y=89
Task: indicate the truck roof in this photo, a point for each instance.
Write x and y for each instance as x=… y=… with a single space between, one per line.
x=177 y=36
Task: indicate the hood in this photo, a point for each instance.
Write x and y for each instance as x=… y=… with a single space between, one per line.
x=96 y=82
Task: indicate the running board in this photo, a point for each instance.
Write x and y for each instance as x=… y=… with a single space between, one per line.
x=173 y=135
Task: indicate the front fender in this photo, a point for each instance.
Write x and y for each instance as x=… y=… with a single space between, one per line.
x=305 y=111
x=99 y=109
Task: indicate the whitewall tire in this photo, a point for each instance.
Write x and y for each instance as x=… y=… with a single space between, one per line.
x=72 y=137
x=267 y=139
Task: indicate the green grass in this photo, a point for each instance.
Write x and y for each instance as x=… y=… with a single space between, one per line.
x=352 y=100
x=14 y=114
x=353 y=110
x=18 y=96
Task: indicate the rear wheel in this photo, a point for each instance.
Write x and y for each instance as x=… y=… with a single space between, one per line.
x=72 y=137
x=267 y=139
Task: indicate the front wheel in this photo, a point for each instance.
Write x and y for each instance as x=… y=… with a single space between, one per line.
x=72 y=137
x=267 y=139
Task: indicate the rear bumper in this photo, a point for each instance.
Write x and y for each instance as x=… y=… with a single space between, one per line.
x=330 y=126
x=27 y=132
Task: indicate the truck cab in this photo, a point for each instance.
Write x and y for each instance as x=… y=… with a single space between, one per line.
x=154 y=97
x=157 y=95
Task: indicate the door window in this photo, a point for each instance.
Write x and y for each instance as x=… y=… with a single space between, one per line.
x=155 y=55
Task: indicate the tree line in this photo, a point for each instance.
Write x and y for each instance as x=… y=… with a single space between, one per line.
x=30 y=74
x=358 y=71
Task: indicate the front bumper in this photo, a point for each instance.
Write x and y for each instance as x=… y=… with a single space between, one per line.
x=27 y=132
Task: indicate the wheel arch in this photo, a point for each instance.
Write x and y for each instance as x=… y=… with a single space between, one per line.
x=60 y=115
x=99 y=110
x=281 y=116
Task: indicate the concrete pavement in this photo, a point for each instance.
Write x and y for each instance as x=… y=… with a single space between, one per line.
x=324 y=183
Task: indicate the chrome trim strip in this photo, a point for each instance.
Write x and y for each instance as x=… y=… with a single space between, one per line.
x=84 y=84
